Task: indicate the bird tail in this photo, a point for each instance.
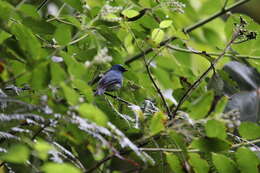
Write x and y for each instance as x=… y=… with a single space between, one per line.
x=99 y=91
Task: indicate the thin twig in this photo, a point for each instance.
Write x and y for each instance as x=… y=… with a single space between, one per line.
x=169 y=150
x=119 y=99
x=198 y=81
x=212 y=53
x=158 y=89
x=42 y=4
x=188 y=30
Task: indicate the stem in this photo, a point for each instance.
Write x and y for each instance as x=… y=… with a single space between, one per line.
x=212 y=53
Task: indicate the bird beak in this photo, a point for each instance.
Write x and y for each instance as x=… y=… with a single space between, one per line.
x=125 y=70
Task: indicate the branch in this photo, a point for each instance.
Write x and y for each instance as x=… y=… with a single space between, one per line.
x=188 y=30
x=42 y=4
x=212 y=53
x=158 y=89
x=198 y=81
x=119 y=99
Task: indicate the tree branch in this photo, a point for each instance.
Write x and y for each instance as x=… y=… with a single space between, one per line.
x=188 y=30
x=212 y=53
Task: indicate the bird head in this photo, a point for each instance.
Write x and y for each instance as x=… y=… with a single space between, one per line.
x=118 y=67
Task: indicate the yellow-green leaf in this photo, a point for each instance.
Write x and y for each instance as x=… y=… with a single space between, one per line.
x=93 y=113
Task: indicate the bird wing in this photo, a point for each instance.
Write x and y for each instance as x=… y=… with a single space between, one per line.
x=109 y=79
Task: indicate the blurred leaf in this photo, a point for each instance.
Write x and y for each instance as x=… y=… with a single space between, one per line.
x=221 y=105
x=130 y=13
x=249 y=130
x=224 y=164
x=57 y=74
x=199 y=165
x=75 y=4
x=157 y=122
x=247 y=160
x=70 y=94
x=63 y=34
x=27 y=41
x=75 y=69
x=85 y=89
x=165 y=23
x=59 y=168
x=29 y=10
x=3 y=36
x=16 y=154
x=210 y=144
x=92 y=113
x=42 y=148
x=200 y=107
x=178 y=139
x=216 y=129
x=40 y=77
x=6 y=10
x=157 y=35
x=174 y=163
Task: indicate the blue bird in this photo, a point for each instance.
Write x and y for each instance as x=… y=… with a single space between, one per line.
x=112 y=80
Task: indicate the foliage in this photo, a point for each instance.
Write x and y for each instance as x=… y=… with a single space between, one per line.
x=189 y=103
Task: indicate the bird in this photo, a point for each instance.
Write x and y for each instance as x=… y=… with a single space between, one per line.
x=112 y=80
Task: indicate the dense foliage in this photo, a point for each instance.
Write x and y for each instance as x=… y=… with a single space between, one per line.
x=190 y=100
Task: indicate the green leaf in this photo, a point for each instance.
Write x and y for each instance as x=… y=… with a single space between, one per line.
x=58 y=75
x=70 y=94
x=249 y=130
x=247 y=160
x=178 y=139
x=40 y=77
x=174 y=163
x=165 y=23
x=210 y=144
x=84 y=88
x=6 y=10
x=157 y=122
x=3 y=36
x=199 y=165
x=59 y=168
x=75 y=69
x=27 y=41
x=29 y=10
x=224 y=164
x=92 y=113
x=42 y=147
x=130 y=13
x=75 y=4
x=221 y=105
x=200 y=107
x=63 y=34
x=16 y=154
x=216 y=129
x=157 y=35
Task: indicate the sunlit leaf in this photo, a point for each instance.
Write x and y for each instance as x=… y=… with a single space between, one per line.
x=157 y=122
x=92 y=113
x=59 y=168
x=216 y=129
x=224 y=164
x=249 y=130
x=16 y=154
x=247 y=160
